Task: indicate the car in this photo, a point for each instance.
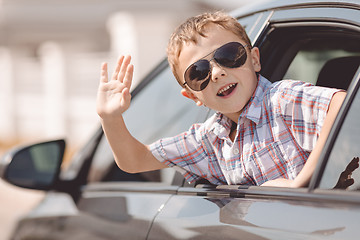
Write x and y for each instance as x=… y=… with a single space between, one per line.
x=315 y=41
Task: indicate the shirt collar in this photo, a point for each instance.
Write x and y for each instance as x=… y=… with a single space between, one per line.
x=252 y=110
x=221 y=125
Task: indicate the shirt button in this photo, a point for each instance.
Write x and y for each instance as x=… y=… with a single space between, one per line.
x=236 y=151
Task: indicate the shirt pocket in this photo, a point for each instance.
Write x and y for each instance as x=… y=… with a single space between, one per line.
x=268 y=163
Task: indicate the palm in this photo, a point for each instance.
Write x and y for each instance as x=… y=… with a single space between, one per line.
x=113 y=96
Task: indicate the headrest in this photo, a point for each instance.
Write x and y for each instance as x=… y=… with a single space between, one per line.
x=338 y=72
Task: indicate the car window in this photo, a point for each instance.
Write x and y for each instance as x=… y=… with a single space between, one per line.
x=158 y=110
x=343 y=160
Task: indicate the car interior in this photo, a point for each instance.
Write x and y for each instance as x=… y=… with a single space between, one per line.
x=314 y=54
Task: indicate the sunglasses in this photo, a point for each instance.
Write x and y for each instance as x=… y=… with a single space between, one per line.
x=231 y=55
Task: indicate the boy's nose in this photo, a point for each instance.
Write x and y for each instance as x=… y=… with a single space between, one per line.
x=217 y=71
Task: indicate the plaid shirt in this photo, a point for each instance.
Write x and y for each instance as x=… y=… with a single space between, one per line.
x=276 y=132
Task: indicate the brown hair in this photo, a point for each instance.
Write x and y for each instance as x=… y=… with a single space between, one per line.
x=195 y=27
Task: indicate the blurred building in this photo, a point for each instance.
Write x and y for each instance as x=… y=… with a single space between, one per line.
x=51 y=51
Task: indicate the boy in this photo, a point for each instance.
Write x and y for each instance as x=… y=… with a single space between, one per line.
x=262 y=133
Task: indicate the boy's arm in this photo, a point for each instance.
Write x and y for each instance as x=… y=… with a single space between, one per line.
x=113 y=99
x=305 y=174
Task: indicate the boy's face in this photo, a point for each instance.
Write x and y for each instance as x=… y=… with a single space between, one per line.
x=242 y=80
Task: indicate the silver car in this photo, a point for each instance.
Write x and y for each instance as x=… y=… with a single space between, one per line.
x=314 y=41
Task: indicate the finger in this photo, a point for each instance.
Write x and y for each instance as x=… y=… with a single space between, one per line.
x=117 y=68
x=103 y=74
x=123 y=68
x=129 y=76
x=126 y=97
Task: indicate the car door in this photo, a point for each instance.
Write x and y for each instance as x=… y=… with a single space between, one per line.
x=295 y=42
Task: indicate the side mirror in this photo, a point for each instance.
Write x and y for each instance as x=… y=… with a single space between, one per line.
x=36 y=166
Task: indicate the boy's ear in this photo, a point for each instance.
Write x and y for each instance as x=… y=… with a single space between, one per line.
x=186 y=93
x=255 y=57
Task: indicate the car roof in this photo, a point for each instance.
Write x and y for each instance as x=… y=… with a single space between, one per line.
x=265 y=5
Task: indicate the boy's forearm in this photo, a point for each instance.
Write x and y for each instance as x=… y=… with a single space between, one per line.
x=113 y=99
x=304 y=176
x=130 y=155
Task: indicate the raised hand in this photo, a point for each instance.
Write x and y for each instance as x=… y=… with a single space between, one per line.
x=113 y=97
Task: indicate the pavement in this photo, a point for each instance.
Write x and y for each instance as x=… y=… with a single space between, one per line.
x=15 y=202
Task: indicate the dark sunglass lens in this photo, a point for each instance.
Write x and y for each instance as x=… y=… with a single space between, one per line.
x=231 y=55
x=197 y=74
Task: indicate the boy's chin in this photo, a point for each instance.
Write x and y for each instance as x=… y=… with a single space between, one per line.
x=232 y=112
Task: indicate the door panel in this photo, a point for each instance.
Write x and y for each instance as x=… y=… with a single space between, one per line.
x=194 y=217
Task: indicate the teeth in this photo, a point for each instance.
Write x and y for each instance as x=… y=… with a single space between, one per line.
x=226 y=88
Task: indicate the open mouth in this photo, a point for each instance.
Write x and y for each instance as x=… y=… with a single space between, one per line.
x=227 y=90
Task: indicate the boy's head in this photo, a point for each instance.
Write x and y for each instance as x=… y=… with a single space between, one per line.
x=196 y=27
x=212 y=58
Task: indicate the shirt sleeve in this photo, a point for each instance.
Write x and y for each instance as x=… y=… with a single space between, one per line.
x=184 y=152
x=304 y=107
